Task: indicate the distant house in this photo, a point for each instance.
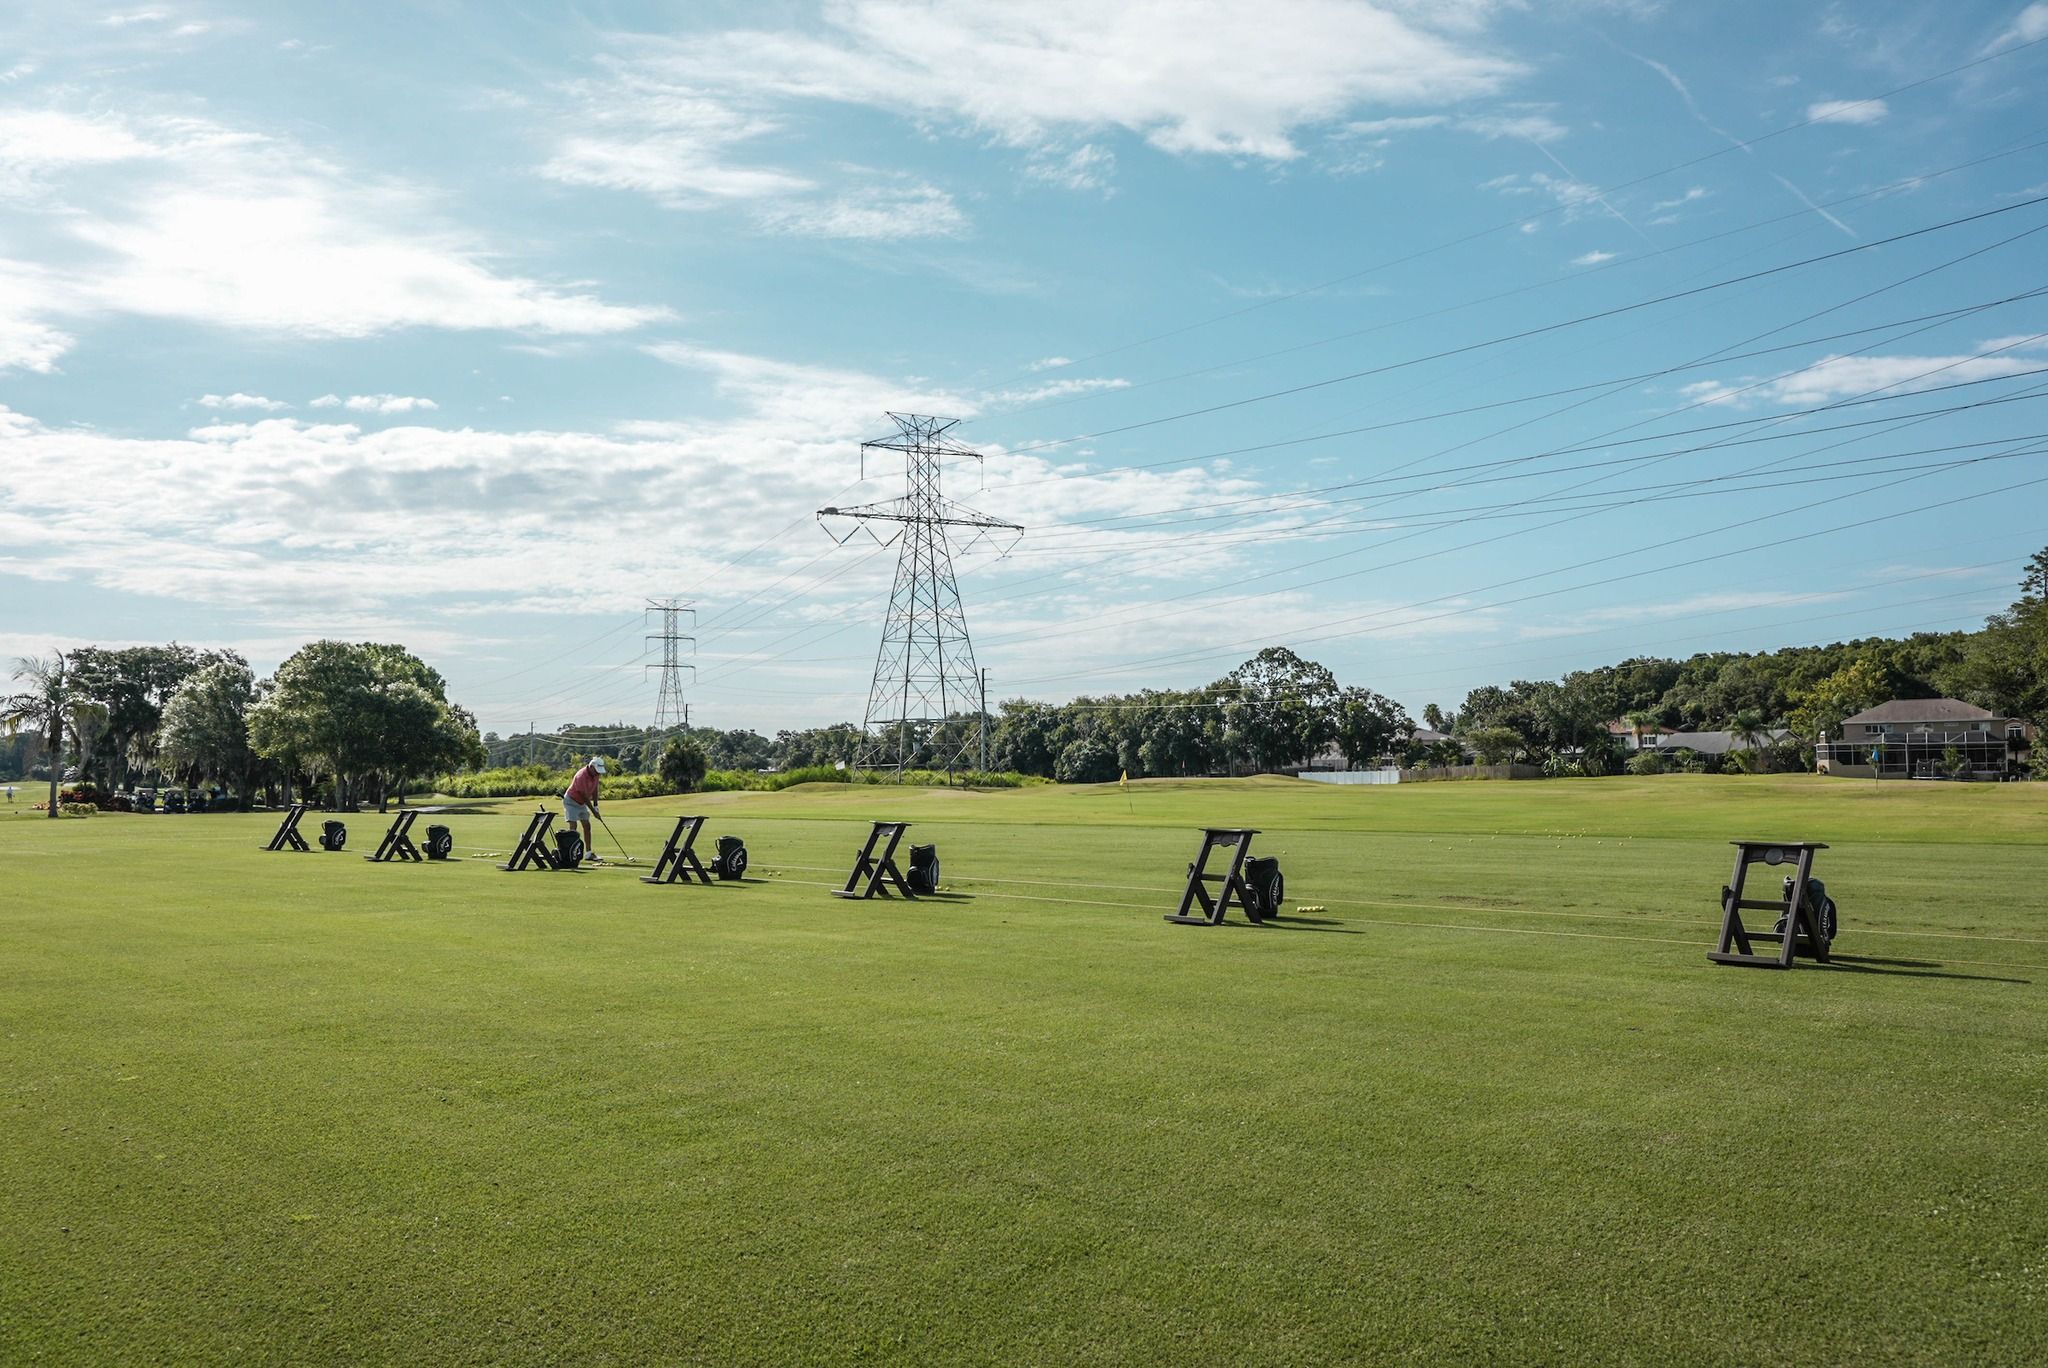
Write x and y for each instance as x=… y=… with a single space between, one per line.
x=1626 y=734
x=1710 y=742
x=1909 y=738
x=1330 y=759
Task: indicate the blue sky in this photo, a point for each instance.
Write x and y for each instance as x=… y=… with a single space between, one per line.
x=472 y=328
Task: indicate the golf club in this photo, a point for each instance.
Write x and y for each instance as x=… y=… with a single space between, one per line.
x=614 y=835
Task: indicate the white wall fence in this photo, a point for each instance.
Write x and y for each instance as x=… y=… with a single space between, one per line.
x=1385 y=776
x=1422 y=776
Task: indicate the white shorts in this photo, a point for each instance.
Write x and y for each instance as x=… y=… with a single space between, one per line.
x=573 y=811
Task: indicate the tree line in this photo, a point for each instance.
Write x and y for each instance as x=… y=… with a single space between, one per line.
x=339 y=720
x=1278 y=711
x=364 y=720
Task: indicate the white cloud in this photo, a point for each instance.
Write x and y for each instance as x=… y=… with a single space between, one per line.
x=2030 y=25
x=670 y=142
x=27 y=342
x=311 y=528
x=1199 y=76
x=1380 y=128
x=1056 y=389
x=1844 y=377
x=238 y=400
x=216 y=226
x=1593 y=258
x=1536 y=128
x=1575 y=197
x=40 y=140
x=681 y=147
x=374 y=403
x=1692 y=195
x=875 y=213
x=1848 y=111
x=1050 y=363
x=304 y=257
x=1087 y=167
x=1718 y=601
x=131 y=17
x=1357 y=144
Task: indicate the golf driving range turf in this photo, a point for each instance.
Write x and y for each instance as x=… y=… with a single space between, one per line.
x=1487 y=1102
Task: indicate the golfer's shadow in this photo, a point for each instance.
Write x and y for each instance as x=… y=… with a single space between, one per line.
x=1905 y=968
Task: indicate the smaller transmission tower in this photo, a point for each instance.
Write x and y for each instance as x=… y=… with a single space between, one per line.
x=670 y=708
x=924 y=672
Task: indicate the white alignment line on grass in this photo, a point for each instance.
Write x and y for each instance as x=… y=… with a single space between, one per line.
x=1433 y=926
x=1506 y=910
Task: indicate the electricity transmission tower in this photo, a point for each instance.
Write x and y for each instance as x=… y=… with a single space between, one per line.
x=670 y=708
x=924 y=670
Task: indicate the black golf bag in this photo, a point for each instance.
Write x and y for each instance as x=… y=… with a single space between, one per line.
x=568 y=849
x=1819 y=906
x=1266 y=887
x=924 y=869
x=731 y=860
x=440 y=842
x=333 y=835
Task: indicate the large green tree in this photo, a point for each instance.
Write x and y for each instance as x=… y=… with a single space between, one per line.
x=1844 y=693
x=683 y=763
x=1277 y=709
x=371 y=715
x=1026 y=737
x=206 y=726
x=1368 y=725
x=135 y=683
x=2005 y=666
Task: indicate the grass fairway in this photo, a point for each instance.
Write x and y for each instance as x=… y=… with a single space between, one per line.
x=1492 y=1105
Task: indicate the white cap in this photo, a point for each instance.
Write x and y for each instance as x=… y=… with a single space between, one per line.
x=597 y=763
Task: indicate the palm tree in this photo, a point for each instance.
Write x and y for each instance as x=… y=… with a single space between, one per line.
x=1639 y=722
x=1749 y=728
x=49 y=706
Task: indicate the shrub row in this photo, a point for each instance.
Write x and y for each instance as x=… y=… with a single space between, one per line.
x=529 y=781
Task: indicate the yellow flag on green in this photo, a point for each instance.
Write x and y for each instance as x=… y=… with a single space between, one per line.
x=1123 y=780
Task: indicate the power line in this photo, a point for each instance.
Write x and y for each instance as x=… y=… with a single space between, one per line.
x=1151 y=610
x=1344 y=622
x=1541 y=330
x=1944 y=316
x=1623 y=263
x=1539 y=216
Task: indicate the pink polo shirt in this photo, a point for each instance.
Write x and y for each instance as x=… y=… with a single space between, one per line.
x=583 y=788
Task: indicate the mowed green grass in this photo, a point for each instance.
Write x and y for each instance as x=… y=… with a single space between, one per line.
x=1492 y=1104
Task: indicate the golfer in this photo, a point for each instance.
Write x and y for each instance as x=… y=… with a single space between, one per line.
x=579 y=804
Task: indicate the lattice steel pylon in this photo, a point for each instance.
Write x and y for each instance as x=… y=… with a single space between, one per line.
x=924 y=670
x=671 y=709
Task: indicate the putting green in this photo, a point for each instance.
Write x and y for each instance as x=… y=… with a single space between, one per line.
x=1489 y=1103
